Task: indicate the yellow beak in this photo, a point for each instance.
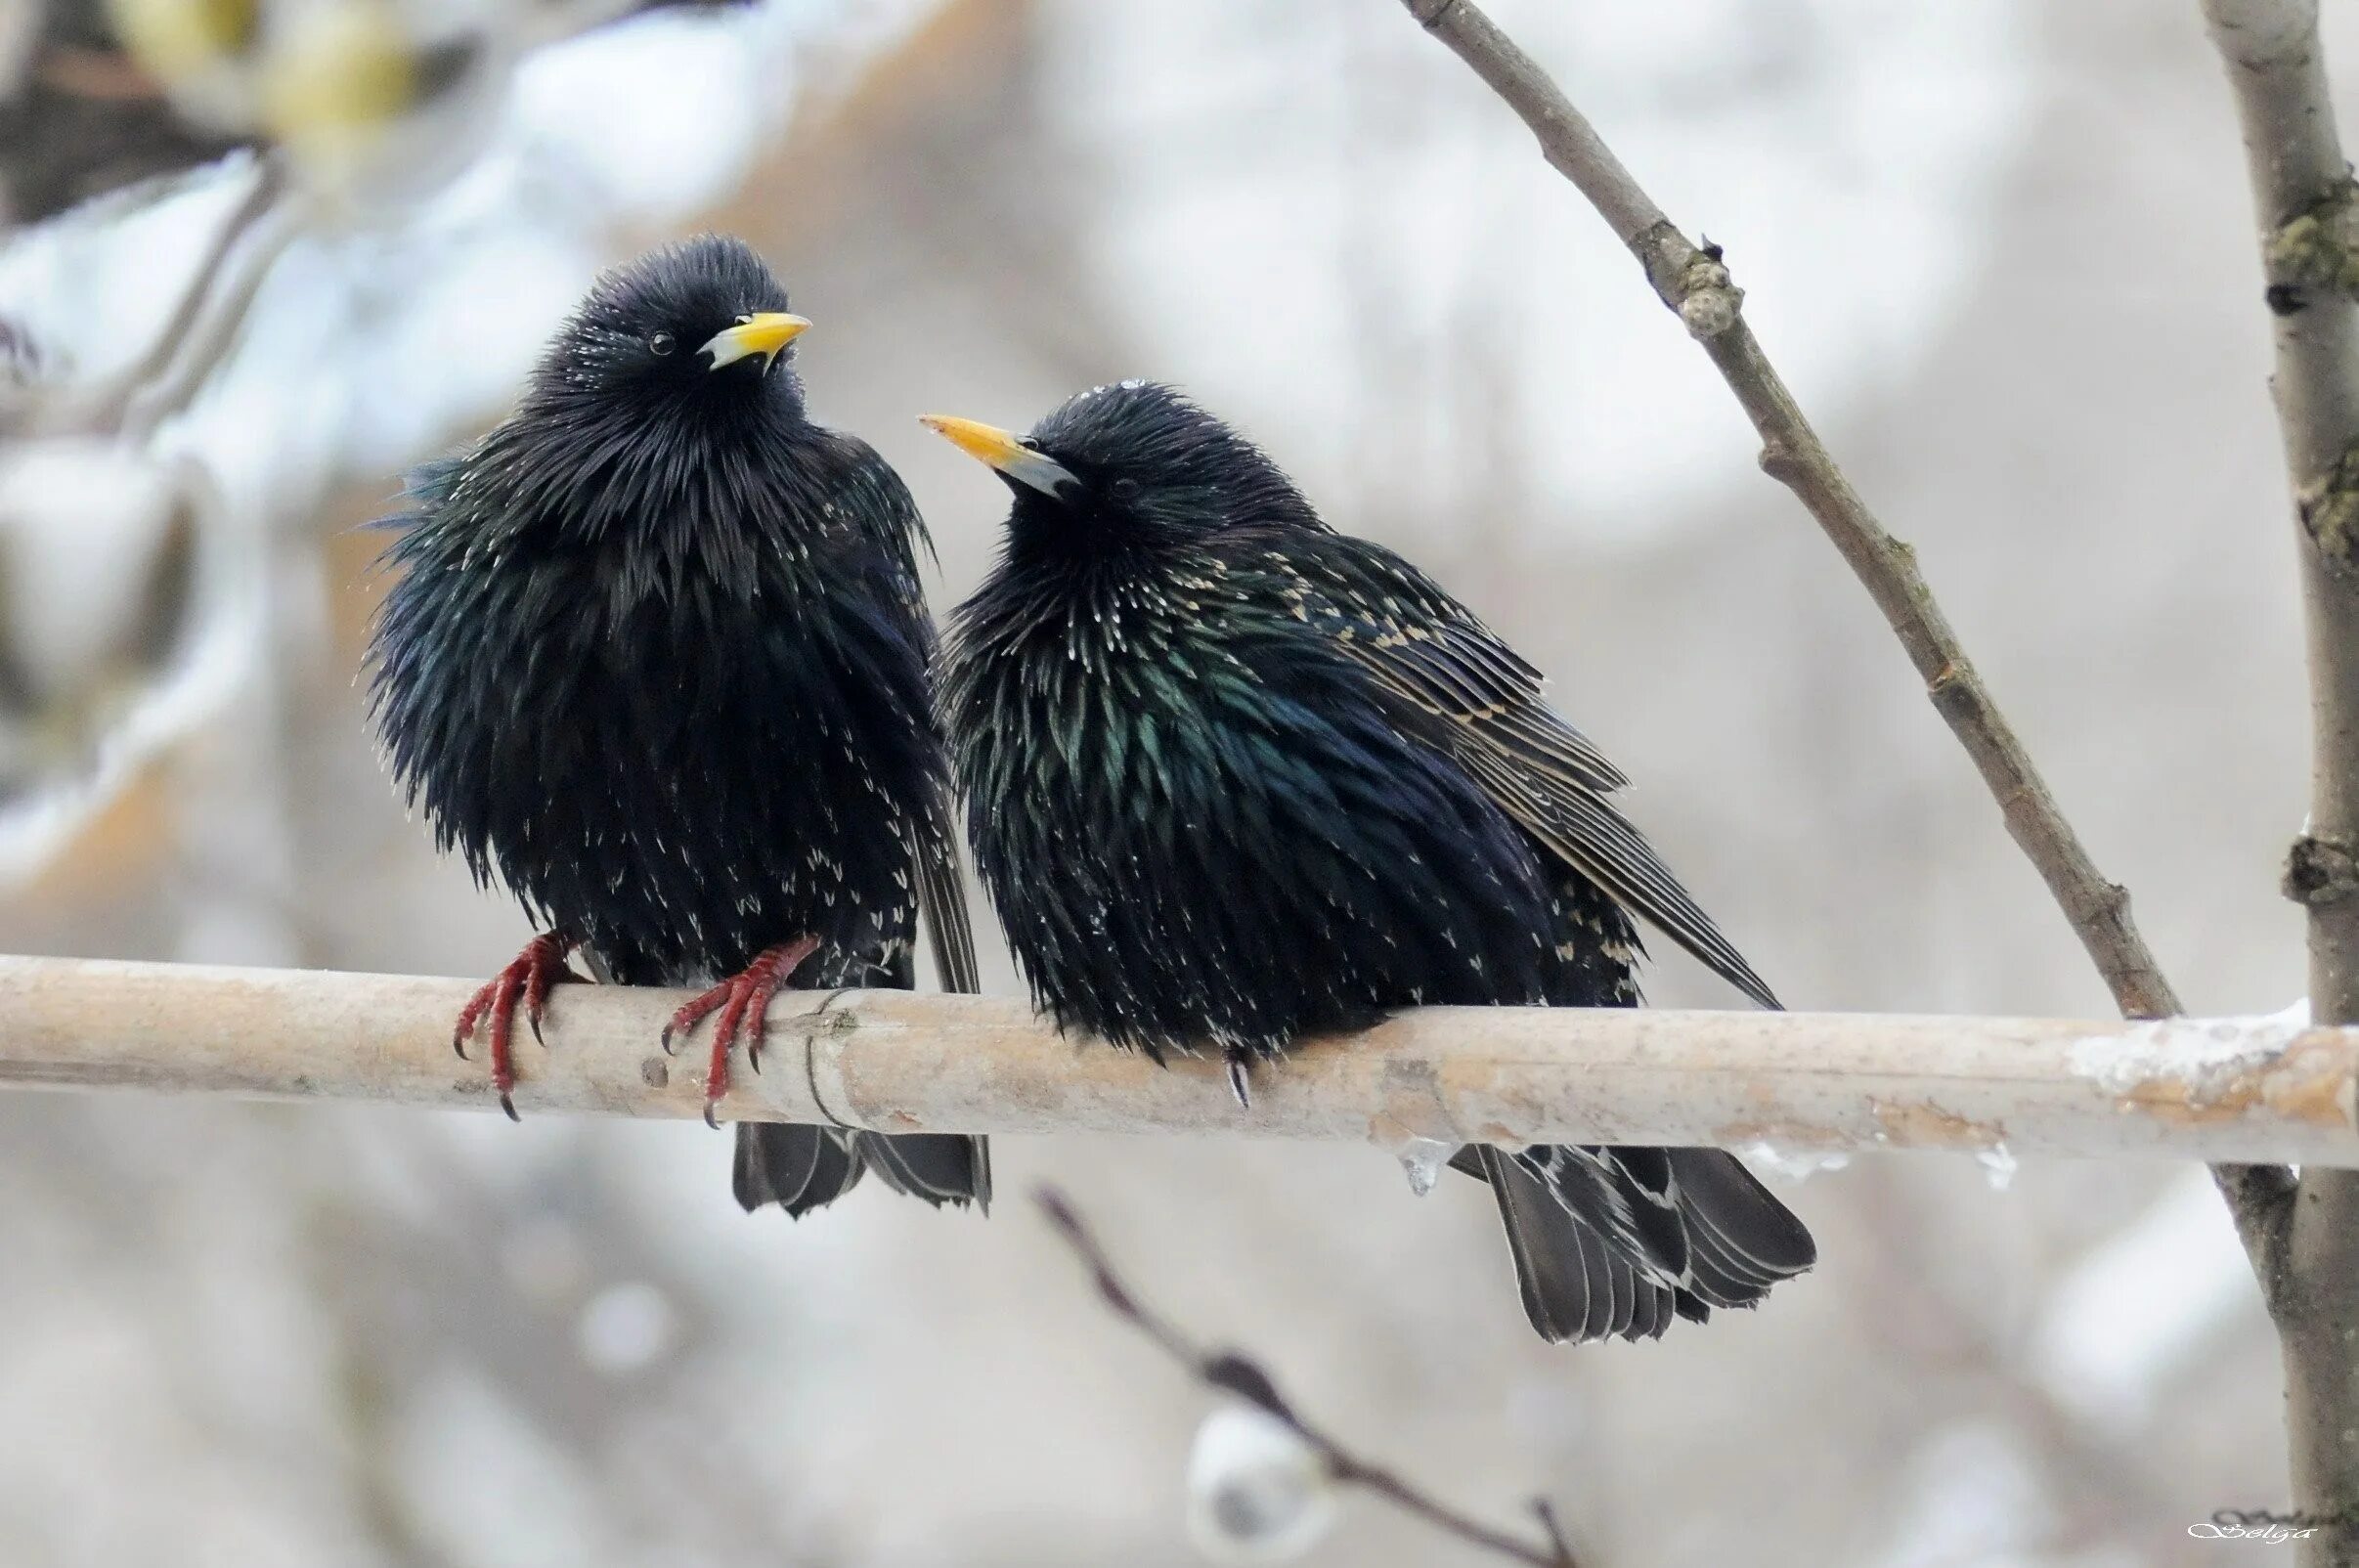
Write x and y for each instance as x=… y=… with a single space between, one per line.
x=1003 y=450
x=764 y=333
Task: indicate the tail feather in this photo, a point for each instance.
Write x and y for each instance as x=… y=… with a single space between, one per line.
x=1576 y=1284
x=1617 y=1241
x=1746 y=1240
x=1551 y=1270
x=802 y=1168
x=796 y=1167
x=939 y=1168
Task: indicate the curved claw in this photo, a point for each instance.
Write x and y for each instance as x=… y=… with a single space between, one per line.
x=484 y=1000
x=526 y=981
x=758 y=1016
x=743 y=1001
x=541 y=978
x=692 y=1014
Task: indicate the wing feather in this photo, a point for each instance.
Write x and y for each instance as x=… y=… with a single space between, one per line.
x=933 y=839
x=1465 y=690
x=941 y=900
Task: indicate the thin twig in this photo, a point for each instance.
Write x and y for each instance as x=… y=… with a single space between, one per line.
x=2303 y=197
x=110 y=408
x=1696 y=285
x=1233 y=1372
x=214 y=317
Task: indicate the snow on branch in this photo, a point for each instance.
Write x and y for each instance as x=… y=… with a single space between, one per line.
x=2237 y=1089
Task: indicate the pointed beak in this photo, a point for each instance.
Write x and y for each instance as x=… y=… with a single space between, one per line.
x=1004 y=451
x=765 y=335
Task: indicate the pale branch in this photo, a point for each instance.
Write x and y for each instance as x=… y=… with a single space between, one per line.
x=202 y=339
x=81 y=117
x=897 y=1061
x=1233 y=1372
x=2303 y=197
x=1696 y=285
x=203 y=323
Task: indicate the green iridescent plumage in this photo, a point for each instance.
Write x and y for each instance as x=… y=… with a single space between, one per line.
x=1235 y=779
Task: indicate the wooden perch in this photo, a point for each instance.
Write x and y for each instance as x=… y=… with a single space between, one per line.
x=2240 y=1089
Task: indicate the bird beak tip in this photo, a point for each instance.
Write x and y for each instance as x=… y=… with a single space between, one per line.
x=1002 y=450
x=983 y=443
x=766 y=334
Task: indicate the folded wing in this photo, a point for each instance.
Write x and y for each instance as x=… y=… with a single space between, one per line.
x=1450 y=679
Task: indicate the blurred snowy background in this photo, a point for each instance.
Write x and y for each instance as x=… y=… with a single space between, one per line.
x=2000 y=248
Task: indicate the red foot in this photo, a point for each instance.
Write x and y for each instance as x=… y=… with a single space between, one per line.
x=744 y=1000
x=538 y=966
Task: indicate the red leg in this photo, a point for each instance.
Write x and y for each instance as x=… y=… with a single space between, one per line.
x=724 y=1035
x=694 y=1014
x=757 y=1014
x=744 y=1003
x=528 y=979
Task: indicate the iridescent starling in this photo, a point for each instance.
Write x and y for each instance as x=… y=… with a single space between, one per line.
x=1235 y=778
x=658 y=659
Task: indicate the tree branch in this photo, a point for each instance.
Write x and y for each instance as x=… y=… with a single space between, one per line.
x=1696 y=286
x=1234 y=1372
x=204 y=325
x=212 y=317
x=2303 y=197
x=86 y=118
x=896 y=1062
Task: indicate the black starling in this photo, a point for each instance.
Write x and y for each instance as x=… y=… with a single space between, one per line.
x=659 y=658
x=1235 y=778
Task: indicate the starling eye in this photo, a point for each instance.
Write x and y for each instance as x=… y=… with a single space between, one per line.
x=660 y=343
x=1123 y=490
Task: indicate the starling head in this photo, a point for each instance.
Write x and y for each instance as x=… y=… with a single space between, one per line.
x=1131 y=465
x=701 y=323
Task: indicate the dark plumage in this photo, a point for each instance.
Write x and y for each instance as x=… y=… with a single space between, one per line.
x=657 y=658
x=1235 y=778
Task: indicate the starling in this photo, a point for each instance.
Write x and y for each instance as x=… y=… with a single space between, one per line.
x=659 y=658
x=1235 y=778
